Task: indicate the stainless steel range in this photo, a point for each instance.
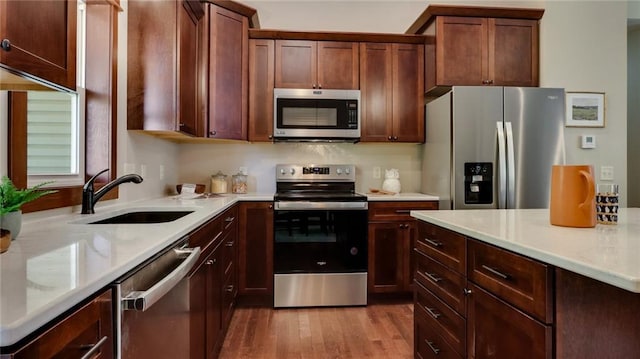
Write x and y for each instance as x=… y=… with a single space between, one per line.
x=320 y=248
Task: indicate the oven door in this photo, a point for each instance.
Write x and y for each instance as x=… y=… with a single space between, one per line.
x=320 y=254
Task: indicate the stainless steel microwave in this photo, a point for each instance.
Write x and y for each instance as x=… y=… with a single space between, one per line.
x=316 y=115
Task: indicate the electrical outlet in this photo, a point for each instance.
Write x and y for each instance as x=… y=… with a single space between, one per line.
x=376 y=172
x=161 y=172
x=143 y=171
x=606 y=173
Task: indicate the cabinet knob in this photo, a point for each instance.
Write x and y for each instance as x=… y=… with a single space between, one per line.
x=213 y=133
x=271 y=137
x=389 y=138
x=210 y=261
x=467 y=291
x=270 y=206
x=5 y=44
x=319 y=86
x=395 y=138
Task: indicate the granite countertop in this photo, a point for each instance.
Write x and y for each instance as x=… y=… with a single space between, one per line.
x=608 y=253
x=58 y=261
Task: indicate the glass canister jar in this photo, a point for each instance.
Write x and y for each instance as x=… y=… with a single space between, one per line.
x=219 y=183
x=239 y=183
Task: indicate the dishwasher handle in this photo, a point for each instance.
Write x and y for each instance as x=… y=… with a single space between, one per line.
x=143 y=300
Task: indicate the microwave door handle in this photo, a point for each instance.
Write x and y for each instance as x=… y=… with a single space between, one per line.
x=502 y=166
x=511 y=167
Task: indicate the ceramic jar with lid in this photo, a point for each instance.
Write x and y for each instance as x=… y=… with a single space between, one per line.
x=219 y=183
x=239 y=183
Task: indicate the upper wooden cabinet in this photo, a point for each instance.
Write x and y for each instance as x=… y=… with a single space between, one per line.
x=40 y=43
x=316 y=64
x=392 y=91
x=228 y=74
x=261 y=84
x=164 y=57
x=479 y=46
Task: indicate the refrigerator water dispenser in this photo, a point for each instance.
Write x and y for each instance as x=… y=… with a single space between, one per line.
x=478 y=182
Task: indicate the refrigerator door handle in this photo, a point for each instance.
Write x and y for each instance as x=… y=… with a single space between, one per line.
x=511 y=167
x=502 y=166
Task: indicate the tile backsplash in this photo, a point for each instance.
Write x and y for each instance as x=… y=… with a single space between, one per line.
x=197 y=162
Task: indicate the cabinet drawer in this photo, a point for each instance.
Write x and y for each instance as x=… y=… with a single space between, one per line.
x=443 y=245
x=230 y=219
x=441 y=281
x=89 y=329
x=450 y=324
x=206 y=235
x=397 y=211
x=522 y=282
x=429 y=343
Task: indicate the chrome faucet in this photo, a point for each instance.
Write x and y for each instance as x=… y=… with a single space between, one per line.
x=89 y=197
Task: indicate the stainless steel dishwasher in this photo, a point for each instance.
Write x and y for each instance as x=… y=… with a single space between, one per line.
x=152 y=306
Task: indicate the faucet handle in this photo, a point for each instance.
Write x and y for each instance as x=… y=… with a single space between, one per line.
x=89 y=184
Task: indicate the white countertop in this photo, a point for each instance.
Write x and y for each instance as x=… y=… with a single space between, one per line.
x=56 y=263
x=608 y=253
x=402 y=196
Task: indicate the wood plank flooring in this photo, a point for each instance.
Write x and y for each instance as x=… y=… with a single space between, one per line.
x=379 y=330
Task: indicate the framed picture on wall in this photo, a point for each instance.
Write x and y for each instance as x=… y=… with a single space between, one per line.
x=585 y=109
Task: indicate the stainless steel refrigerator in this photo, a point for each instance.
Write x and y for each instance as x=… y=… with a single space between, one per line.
x=493 y=147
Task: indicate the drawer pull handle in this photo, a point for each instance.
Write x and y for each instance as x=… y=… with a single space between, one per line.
x=467 y=291
x=433 y=313
x=229 y=244
x=495 y=272
x=229 y=219
x=433 y=277
x=433 y=347
x=403 y=211
x=229 y=288
x=432 y=242
x=95 y=348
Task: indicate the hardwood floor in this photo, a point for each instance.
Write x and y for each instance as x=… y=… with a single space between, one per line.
x=379 y=330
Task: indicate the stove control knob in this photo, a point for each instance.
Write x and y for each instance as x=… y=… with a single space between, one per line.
x=293 y=171
x=282 y=171
x=339 y=171
x=347 y=171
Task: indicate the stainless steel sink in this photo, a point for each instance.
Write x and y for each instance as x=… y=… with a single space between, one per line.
x=143 y=217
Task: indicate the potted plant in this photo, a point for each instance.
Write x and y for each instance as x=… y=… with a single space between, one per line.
x=12 y=199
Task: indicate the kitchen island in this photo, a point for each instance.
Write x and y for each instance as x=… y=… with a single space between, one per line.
x=585 y=280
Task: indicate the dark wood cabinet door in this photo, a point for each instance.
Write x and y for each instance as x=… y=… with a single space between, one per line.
x=386 y=258
x=213 y=304
x=497 y=330
x=256 y=248
x=461 y=51
x=296 y=64
x=408 y=93
x=261 y=84
x=338 y=65
x=228 y=74
x=40 y=39
x=188 y=42
x=376 y=86
x=513 y=52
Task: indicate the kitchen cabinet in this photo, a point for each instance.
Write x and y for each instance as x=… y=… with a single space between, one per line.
x=40 y=44
x=212 y=284
x=479 y=46
x=392 y=235
x=87 y=331
x=227 y=73
x=164 y=58
x=392 y=91
x=316 y=64
x=256 y=250
x=475 y=300
x=261 y=85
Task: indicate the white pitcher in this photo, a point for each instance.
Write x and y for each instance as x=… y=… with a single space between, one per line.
x=391 y=181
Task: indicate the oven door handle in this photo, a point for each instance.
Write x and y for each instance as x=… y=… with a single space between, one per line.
x=143 y=300
x=309 y=205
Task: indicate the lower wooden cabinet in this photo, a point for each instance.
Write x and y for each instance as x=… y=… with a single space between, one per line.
x=212 y=284
x=255 y=249
x=392 y=237
x=474 y=300
x=87 y=332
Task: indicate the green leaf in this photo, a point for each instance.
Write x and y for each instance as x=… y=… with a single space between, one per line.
x=12 y=199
